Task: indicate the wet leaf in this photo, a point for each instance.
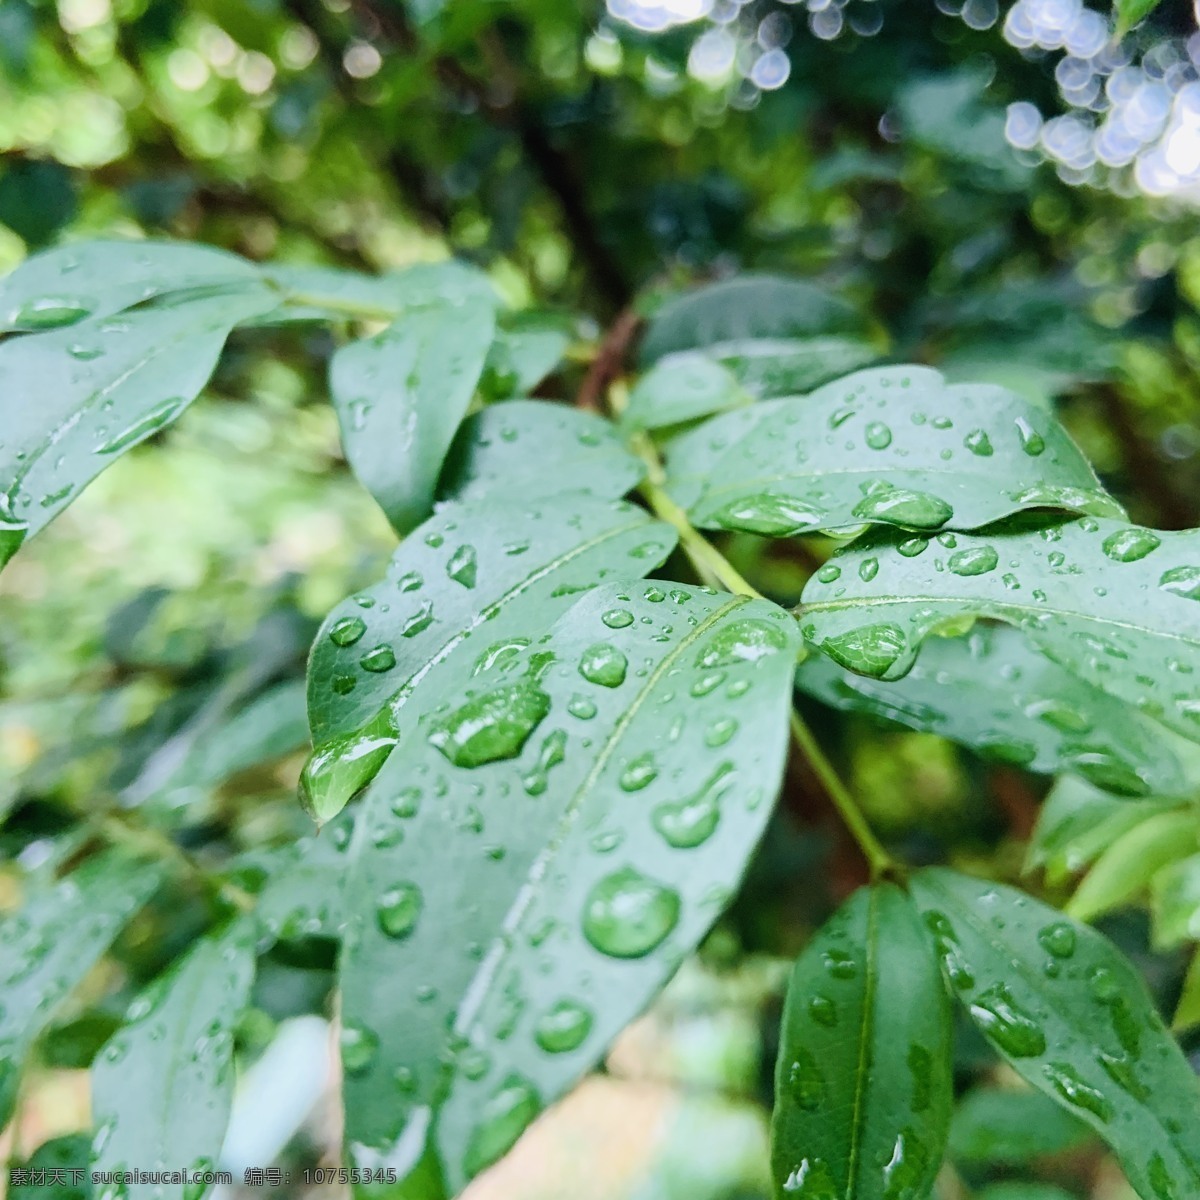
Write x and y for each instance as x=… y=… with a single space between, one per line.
x=535 y=449
x=555 y=830
x=76 y=399
x=1187 y=1010
x=785 y=366
x=863 y=1083
x=1043 y=718
x=94 y=280
x=401 y=395
x=893 y=446
x=163 y=1084
x=1175 y=903
x=51 y=943
x=1117 y=605
x=1132 y=12
x=1071 y=1015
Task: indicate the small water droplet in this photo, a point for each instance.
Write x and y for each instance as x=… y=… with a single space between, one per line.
x=1182 y=581
x=805 y=1081
x=868 y=569
x=347 y=631
x=1058 y=939
x=978 y=442
x=583 y=707
x=563 y=1027
x=359 y=1047
x=143 y=428
x=878 y=436
x=626 y=914
x=462 y=566
x=50 y=312
x=829 y=573
x=1032 y=442
x=398 y=909
x=1067 y=1082
x=741 y=641
x=769 y=515
x=618 y=618
x=868 y=650
x=382 y=658
x=639 y=773
x=502 y=1120
x=690 y=822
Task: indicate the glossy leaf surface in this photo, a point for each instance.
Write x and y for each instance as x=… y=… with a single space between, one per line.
x=1070 y=1014
x=401 y=395
x=1117 y=605
x=1038 y=716
x=51 y=943
x=895 y=446
x=556 y=829
x=162 y=1086
x=863 y=1080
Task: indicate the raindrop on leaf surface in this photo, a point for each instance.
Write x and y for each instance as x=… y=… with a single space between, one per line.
x=626 y=914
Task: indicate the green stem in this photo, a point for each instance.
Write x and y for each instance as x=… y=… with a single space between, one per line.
x=714 y=567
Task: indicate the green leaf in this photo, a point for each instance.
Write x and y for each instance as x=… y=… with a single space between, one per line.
x=534 y=449
x=1175 y=903
x=785 y=366
x=556 y=829
x=94 y=280
x=163 y=1085
x=1187 y=1010
x=1131 y=13
x=1126 y=867
x=76 y=399
x=1071 y=1015
x=1043 y=718
x=992 y=1126
x=1075 y=825
x=401 y=395
x=863 y=1080
x=746 y=307
x=50 y=944
x=68 y=1153
x=523 y=355
x=1117 y=605
x=893 y=446
x=681 y=387
x=459 y=576
x=301 y=894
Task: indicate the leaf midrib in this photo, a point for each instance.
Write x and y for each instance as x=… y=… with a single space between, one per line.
x=865 y=1048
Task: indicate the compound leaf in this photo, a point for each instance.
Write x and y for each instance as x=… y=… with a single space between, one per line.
x=1073 y=1017
x=50 y=944
x=556 y=829
x=163 y=1084
x=1044 y=718
x=863 y=1083
x=1115 y=604
x=894 y=446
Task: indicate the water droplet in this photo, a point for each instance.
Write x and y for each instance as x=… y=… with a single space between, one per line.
x=976 y=560
x=911 y=547
x=50 y=312
x=899 y=506
x=618 y=618
x=978 y=442
x=639 y=773
x=407 y=802
x=626 y=914
x=463 y=566
x=905 y=1171
x=382 y=658
x=1160 y=1179
x=839 y=964
x=347 y=631
x=768 y=515
x=811 y=1180
x=552 y=751
x=707 y=683
x=494 y=725
x=1182 y=581
x=878 y=436
x=359 y=1047
x=829 y=573
x=1057 y=939
x=342 y=766
x=950 y=951
x=823 y=1010
x=502 y=1120
x=583 y=707
x=1129 y=545
x=720 y=732
x=410 y=581
x=563 y=1027
x=741 y=641
x=687 y=823
x=805 y=1081
x=1067 y=1083
x=143 y=428
x=418 y=622
x=997 y=1013
x=398 y=909
x=868 y=650
x=603 y=664
x=1032 y=442
x=1122 y=1072
x=868 y=569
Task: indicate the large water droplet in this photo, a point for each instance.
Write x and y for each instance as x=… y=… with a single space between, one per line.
x=1182 y=581
x=869 y=650
x=381 y=658
x=1007 y=1024
x=976 y=560
x=1129 y=545
x=878 y=436
x=347 y=631
x=1032 y=442
x=603 y=664
x=563 y=1027
x=342 y=766
x=502 y=1120
x=741 y=641
x=899 y=506
x=690 y=822
x=617 y=618
x=463 y=566
x=626 y=914
x=491 y=726
x=1067 y=1082
x=50 y=312
x=151 y=423
x=769 y=515
x=398 y=909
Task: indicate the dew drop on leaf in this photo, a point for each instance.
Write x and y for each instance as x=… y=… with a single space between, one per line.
x=878 y=436
x=977 y=560
x=741 y=641
x=1007 y=1024
x=1065 y=1080
x=50 y=312
x=1057 y=939
x=829 y=573
x=398 y=909
x=583 y=707
x=503 y=1119
x=1032 y=442
x=381 y=658
x=563 y=1027
x=463 y=566
x=768 y=515
x=359 y=1047
x=805 y=1081
x=687 y=823
x=908 y=509
x=1182 y=581
x=492 y=726
x=823 y=1010
x=347 y=631
x=151 y=423
x=978 y=442
x=639 y=773
x=603 y=664
x=811 y=1180
x=618 y=618
x=868 y=650
x=626 y=914
x=1130 y=545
